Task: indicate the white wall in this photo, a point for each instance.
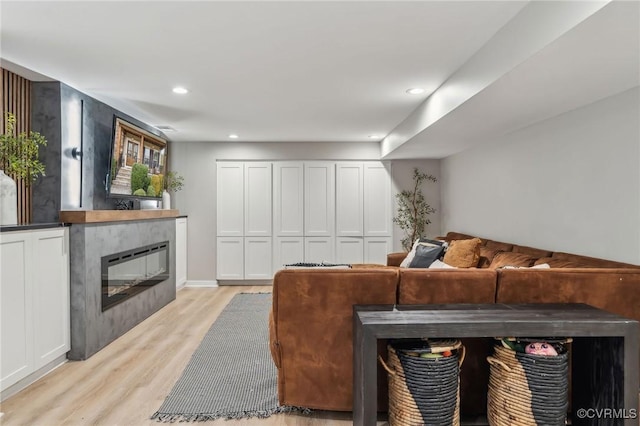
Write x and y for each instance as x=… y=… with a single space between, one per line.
x=570 y=183
x=197 y=163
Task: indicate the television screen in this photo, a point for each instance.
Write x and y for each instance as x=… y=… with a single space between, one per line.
x=138 y=162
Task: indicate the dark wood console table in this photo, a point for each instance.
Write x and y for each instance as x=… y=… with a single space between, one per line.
x=605 y=348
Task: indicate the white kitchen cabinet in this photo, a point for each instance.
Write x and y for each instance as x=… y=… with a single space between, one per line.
x=181 y=252
x=257 y=199
x=349 y=199
x=319 y=249
x=376 y=249
x=230 y=199
x=34 y=301
x=378 y=219
x=319 y=199
x=349 y=249
x=230 y=258
x=286 y=251
x=288 y=199
x=257 y=258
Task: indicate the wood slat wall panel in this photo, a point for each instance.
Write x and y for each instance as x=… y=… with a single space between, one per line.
x=16 y=98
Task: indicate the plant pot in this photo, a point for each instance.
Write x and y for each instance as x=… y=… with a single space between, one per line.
x=8 y=200
x=148 y=204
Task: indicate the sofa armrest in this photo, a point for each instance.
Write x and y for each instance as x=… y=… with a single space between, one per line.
x=395 y=259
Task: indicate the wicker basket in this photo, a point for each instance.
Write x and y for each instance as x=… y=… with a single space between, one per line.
x=424 y=391
x=527 y=390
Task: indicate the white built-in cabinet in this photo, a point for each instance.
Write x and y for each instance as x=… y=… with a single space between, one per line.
x=295 y=211
x=34 y=301
x=181 y=252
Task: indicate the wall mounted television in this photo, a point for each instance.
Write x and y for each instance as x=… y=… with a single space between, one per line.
x=138 y=162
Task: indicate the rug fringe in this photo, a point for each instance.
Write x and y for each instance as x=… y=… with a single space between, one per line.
x=203 y=417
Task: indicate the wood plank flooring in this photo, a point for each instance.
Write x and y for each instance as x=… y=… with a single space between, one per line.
x=126 y=382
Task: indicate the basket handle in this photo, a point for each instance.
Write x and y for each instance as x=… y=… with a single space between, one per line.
x=463 y=352
x=386 y=367
x=494 y=361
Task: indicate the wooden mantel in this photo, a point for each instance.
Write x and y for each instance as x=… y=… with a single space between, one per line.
x=95 y=216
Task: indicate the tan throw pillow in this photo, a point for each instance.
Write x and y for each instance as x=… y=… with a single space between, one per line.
x=463 y=253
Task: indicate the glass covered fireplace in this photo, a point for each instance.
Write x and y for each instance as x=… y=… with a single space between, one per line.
x=127 y=273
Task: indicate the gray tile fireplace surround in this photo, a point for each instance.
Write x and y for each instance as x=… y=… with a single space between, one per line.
x=92 y=329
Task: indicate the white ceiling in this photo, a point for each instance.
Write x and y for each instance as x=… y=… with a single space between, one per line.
x=293 y=71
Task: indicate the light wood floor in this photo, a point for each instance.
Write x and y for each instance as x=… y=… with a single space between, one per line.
x=126 y=382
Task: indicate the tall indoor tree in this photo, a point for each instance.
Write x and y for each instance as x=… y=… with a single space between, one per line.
x=413 y=210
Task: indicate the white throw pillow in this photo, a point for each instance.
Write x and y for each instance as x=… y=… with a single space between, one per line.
x=439 y=264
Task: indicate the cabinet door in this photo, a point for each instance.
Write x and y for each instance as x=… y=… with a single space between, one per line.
x=319 y=199
x=288 y=200
x=230 y=199
x=349 y=250
x=287 y=250
x=349 y=199
x=257 y=258
x=319 y=249
x=378 y=220
x=230 y=258
x=257 y=199
x=376 y=249
x=16 y=308
x=181 y=251
x=51 y=295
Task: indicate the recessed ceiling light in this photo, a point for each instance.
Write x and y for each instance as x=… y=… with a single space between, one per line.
x=165 y=128
x=180 y=90
x=374 y=136
x=415 y=91
x=233 y=136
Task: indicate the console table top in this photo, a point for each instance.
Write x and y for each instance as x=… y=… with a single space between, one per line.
x=96 y=216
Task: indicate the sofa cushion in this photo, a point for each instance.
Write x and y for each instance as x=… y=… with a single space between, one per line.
x=486 y=256
x=463 y=253
x=559 y=263
x=497 y=245
x=425 y=255
x=508 y=258
x=531 y=251
x=592 y=261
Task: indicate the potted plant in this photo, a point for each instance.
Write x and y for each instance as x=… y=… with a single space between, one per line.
x=413 y=210
x=18 y=158
x=172 y=182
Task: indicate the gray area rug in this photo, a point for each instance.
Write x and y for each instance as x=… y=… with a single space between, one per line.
x=231 y=374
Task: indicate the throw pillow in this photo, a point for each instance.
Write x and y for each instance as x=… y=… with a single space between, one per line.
x=426 y=255
x=508 y=258
x=463 y=253
x=439 y=264
x=424 y=242
x=486 y=256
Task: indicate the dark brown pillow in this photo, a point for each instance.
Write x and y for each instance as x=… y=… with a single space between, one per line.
x=463 y=253
x=508 y=258
x=560 y=263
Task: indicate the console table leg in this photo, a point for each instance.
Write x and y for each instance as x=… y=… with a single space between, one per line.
x=364 y=378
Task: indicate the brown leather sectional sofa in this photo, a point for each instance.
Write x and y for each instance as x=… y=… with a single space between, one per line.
x=311 y=319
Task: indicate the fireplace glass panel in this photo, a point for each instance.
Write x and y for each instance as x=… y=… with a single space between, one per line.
x=129 y=272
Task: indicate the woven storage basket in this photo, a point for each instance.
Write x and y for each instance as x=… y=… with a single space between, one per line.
x=424 y=391
x=527 y=390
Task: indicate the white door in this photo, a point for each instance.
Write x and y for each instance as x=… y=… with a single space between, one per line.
x=230 y=258
x=319 y=197
x=51 y=291
x=16 y=308
x=288 y=199
x=230 y=199
x=349 y=199
x=378 y=219
x=257 y=258
x=349 y=250
x=286 y=251
x=376 y=249
x=319 y=249
x=181 y=251
x=257 y=199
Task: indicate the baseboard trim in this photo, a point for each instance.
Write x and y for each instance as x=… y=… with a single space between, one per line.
x=33 y=377
x=201 y=283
